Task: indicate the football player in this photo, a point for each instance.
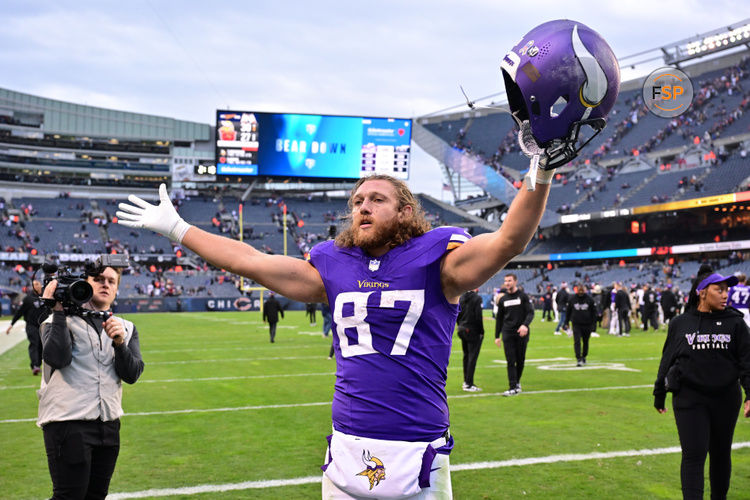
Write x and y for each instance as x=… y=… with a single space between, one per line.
x=393 y=284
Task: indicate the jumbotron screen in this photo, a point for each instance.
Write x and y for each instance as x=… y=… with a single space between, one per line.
x=321 y=146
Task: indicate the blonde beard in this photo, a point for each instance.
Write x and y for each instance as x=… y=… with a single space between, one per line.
x=382 y=236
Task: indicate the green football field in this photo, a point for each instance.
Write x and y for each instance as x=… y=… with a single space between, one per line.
x=222 y=413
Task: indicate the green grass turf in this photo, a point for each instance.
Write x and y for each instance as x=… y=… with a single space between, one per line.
x=231 y=364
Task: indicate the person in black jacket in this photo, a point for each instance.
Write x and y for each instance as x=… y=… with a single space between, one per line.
x=668 y=303
x=562 y=306
x=547 y=306
x=581 y=312
x=33 y=312
x=650 y=310
x=622 y=306
x=514 y=315
x=271 y=310
x=706 y=357
x=470 y=328
x=310 y=309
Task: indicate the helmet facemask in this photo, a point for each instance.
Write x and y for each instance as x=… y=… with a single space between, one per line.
x=561 y=77
x=555 y=152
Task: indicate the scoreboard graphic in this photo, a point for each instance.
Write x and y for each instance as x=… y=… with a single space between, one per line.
x=300 y=145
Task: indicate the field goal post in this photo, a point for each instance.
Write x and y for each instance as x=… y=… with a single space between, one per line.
x=244 y=286
x=245 y=283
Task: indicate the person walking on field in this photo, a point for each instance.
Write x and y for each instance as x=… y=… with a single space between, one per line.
x=271 y=311
x=470 y=328
x=582 y=313
x=33 y=312
x=562 y=306
x=547 y=306
x=310 y=310
x=705 y=362
x=650 y=309
x=622 y=308
x=668 y=303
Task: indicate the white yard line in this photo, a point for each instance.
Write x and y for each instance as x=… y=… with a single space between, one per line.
x=323 y=403
x=236 y=347
x=272 y=358
x=202 y=379
x=276 y=483
x=555 y=391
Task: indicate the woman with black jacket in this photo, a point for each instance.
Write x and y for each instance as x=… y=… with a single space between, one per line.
x=705 y=359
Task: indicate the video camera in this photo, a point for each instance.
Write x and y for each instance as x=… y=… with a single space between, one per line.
x=72 y=289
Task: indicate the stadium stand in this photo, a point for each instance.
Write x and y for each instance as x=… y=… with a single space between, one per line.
x=57 y=178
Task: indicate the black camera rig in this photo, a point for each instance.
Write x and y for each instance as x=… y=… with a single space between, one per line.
x=73 y=290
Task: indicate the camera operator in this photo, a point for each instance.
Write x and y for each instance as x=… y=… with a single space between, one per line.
x=86 y=359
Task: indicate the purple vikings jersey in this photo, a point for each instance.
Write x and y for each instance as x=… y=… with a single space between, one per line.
x=393 y=329
x=739 y=297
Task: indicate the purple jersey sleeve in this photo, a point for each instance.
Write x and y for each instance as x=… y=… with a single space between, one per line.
x=739 y=297
x=393 y=329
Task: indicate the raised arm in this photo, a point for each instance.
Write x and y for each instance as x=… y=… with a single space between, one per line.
x=473 y=263
x=290 y=277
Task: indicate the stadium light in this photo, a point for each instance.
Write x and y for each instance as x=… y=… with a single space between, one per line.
x=707 y=43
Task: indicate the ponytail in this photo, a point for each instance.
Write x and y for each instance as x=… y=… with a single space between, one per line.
x=704 y=272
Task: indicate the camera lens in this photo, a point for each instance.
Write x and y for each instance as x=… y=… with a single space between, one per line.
x=80 y=292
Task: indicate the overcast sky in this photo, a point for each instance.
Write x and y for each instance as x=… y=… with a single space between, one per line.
x=184 y=59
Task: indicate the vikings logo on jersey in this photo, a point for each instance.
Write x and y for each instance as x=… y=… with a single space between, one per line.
x=375 y=472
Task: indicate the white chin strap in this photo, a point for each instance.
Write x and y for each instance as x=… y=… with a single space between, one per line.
x=537 y=155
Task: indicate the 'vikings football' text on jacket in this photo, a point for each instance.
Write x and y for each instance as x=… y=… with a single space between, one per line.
x=711 y=349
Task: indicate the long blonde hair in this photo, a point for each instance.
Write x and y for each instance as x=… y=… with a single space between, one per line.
x=413 y=226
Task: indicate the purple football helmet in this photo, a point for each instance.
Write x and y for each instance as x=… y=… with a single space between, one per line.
x=567 y=66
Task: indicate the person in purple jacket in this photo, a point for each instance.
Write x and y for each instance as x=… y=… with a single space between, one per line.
x=393 y=284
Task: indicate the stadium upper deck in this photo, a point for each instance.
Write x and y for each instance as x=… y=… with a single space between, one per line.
x=638 y=159
x=47 y=141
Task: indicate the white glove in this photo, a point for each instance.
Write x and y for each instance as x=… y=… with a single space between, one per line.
x=161 y=218
x=537 y=155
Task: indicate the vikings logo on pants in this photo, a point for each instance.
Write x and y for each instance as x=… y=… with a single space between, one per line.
x=375 y=472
